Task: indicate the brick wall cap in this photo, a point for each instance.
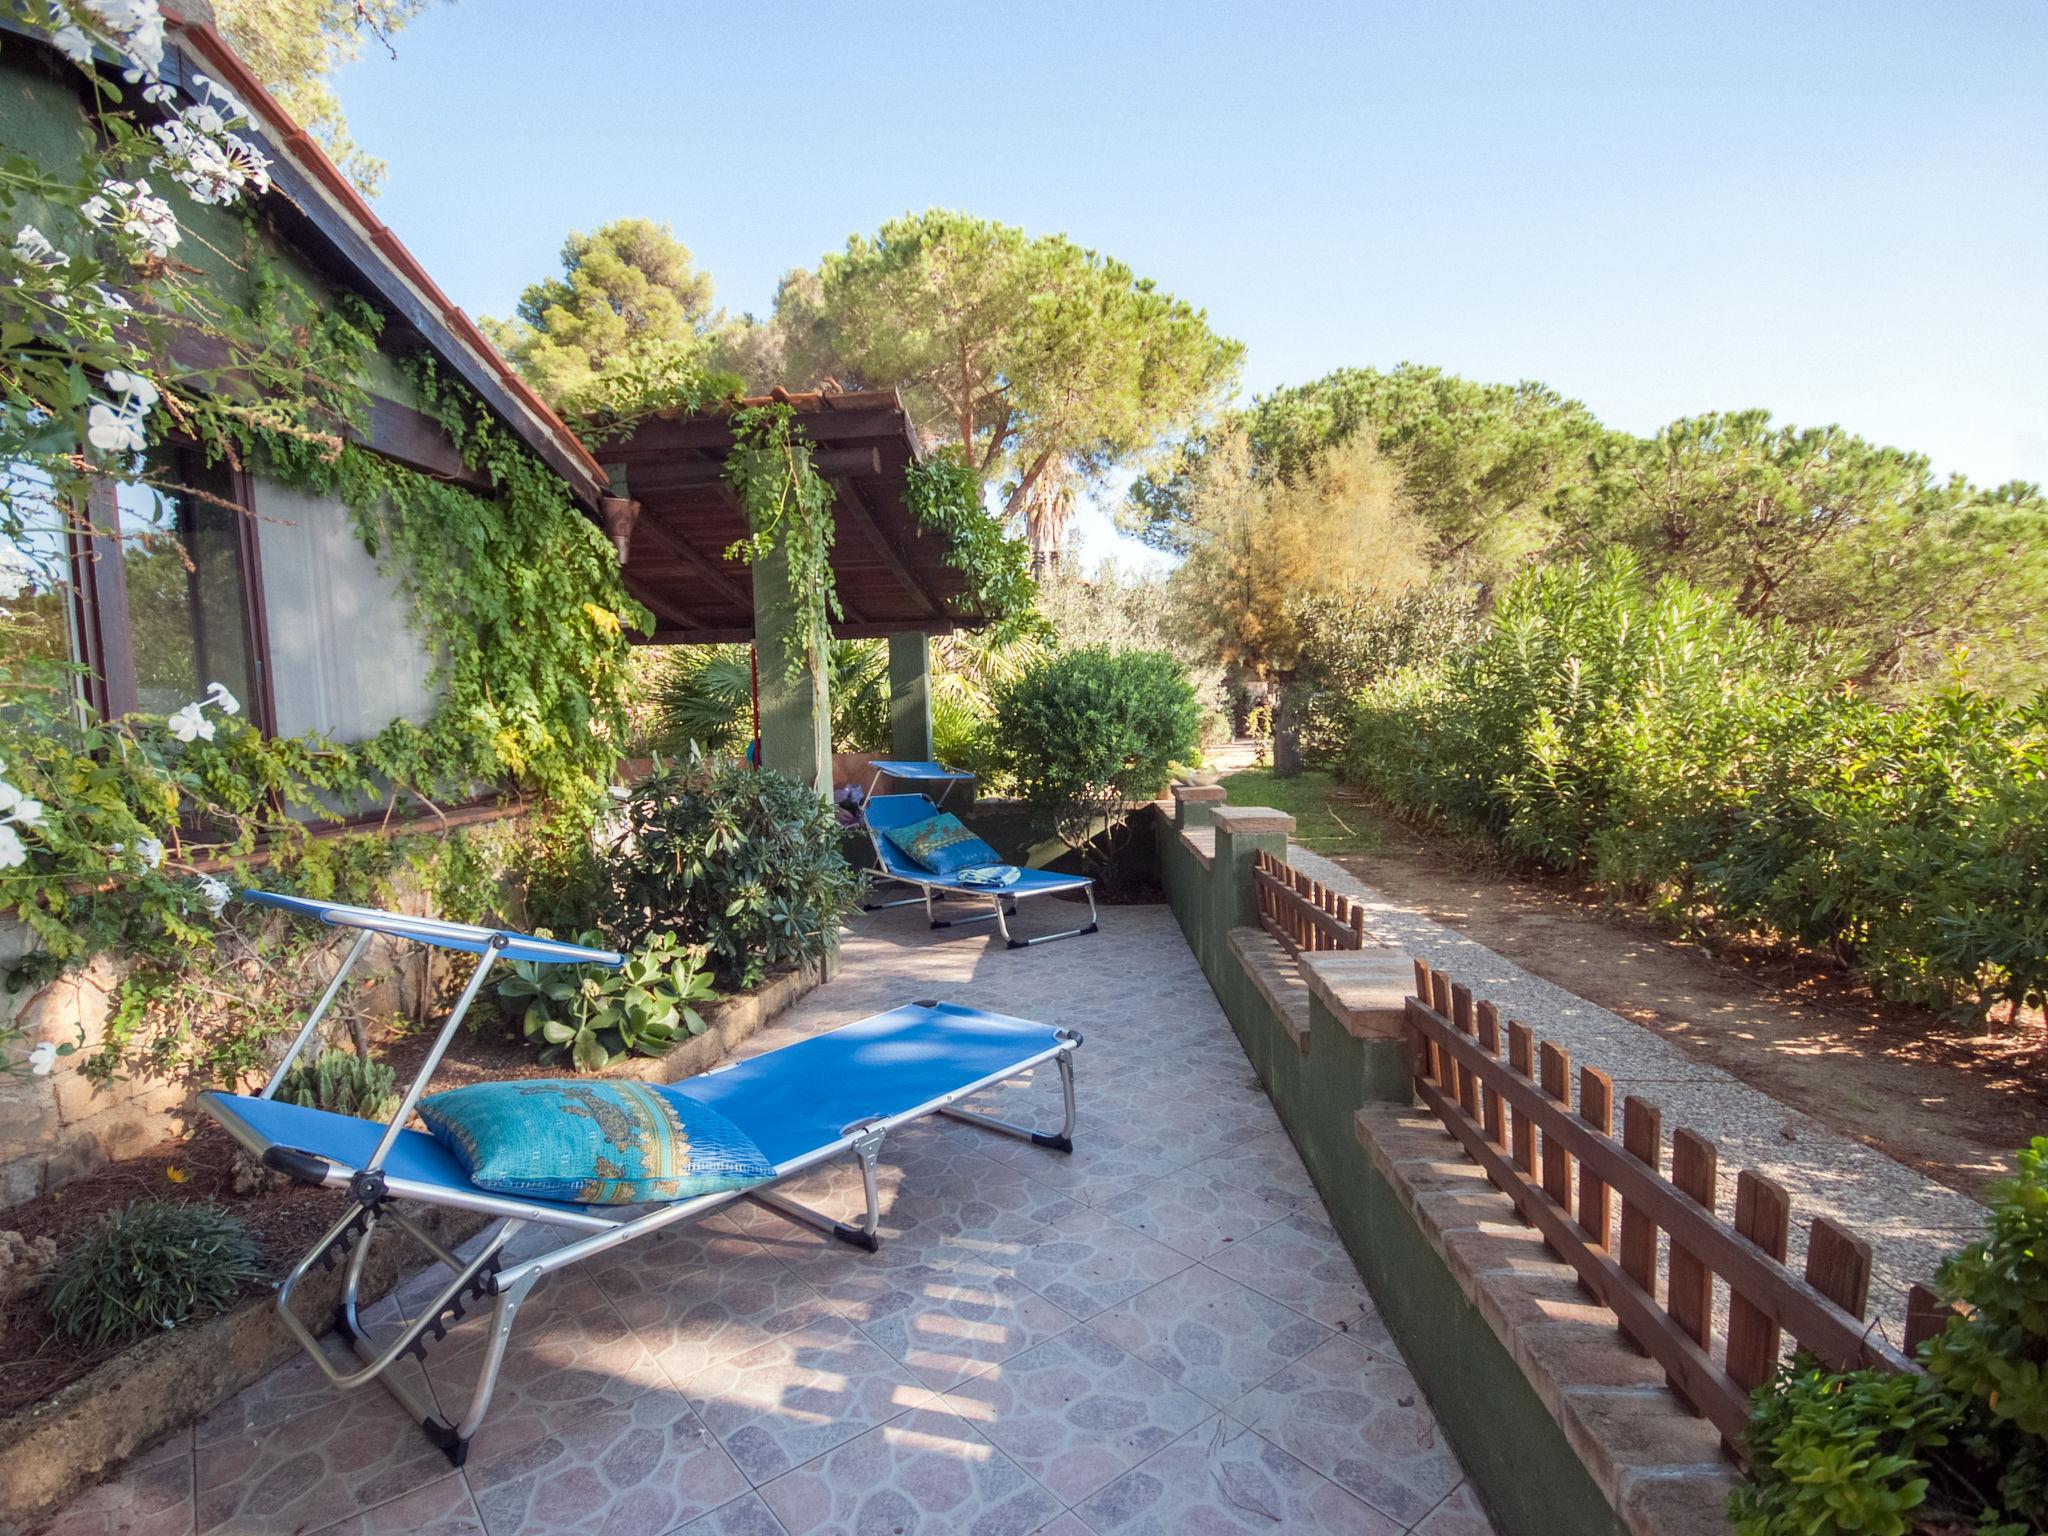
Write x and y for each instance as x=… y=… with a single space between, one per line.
x=1199 y=792
x=1366 y=990
x=1250 y=820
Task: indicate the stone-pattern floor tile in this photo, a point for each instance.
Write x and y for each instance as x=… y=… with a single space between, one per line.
x=948 y=1316
x=1220 y=1478
x=635 y=1470
x=348 y=1455
x=1267 y=1165
x=1301 y=1261
x=1194 y=1212
x=1458 y=1515
x=921 y=1474
x=794 y=1398
x=1089 y=1262
x=1362 y=1422
x=574 y=1363
x=650 y=1390
x=1076 y=1411
x=702 y=1297
x=1210 y=1334
x=152 y=1496
x=442 y=1508
x=744 y=1516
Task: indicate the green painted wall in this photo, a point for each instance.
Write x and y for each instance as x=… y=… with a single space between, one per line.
x=1531 y=1480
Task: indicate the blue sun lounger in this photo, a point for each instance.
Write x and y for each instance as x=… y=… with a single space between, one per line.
x=885 y=811
x=838 y=1093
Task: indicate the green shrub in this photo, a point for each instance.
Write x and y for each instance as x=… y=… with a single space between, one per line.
x=1086 y=733
x=744 y=861
x=589 y=1014
x=149 y=1266
x=1961 y=1448
x=1346 y=645
x=1658 y=741
x=343 y=1082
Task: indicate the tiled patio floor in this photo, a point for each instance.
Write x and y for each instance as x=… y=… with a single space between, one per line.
x=1159 y=1333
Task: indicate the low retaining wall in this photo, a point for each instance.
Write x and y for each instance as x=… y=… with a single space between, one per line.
x=1560 y=1425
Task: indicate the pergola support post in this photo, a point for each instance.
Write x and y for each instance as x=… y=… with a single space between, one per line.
x=910 y=697
x=796 y=712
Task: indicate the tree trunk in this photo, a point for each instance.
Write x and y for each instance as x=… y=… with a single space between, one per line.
x=1287 y=728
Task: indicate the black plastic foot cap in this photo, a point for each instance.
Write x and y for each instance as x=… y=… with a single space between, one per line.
x=1093 y=928
x=1056 y=1142
x=857 y=1236
x=452 y=1445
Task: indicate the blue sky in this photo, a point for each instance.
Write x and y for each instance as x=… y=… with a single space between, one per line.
x=1838 y=211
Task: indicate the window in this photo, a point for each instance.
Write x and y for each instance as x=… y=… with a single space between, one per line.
x=160 y=598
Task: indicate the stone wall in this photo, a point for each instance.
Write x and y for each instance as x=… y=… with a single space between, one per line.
x=61 y=1127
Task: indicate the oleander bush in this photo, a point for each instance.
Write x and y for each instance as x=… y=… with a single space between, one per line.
x=743 y=861
x=1654 y=739
x=148 y=1266
x=1962 y=1448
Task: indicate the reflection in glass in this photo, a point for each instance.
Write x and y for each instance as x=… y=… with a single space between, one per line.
x=41 y=633
x=187 y=607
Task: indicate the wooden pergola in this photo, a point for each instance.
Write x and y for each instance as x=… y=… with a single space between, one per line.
x=672 y=517
x=891 y=577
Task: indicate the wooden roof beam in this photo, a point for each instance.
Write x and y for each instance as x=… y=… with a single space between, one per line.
x=862 y=515
x=681 y=548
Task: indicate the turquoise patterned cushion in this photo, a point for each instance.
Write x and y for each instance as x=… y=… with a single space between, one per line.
x=592 y=1143
x=941 y=844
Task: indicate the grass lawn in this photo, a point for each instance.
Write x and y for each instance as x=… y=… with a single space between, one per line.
x=1320 y=806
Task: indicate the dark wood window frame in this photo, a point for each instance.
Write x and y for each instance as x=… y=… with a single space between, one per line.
x=106 y=638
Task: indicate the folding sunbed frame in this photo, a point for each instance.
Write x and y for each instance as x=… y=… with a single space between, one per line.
x=917 y=773
x=834 y=1093
x=885 y=811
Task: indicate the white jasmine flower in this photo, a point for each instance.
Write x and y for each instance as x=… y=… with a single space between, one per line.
x=113 y=431
x=188 y=724
x=33 y=246
x=140 y=392
x=214 y=893
x=69 y=36
x=151 y=850
x=149 y=219
x=218 y=696
x=114 y=301
x=13 y=853
x=156 y=92
x=10 y=797
x=43 y=1059
x=28 y=812
x=229 y=102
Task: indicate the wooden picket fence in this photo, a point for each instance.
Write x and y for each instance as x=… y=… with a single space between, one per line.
x=1303 y=913
x=1601 y=1204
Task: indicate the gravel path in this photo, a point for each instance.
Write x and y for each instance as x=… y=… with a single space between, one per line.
x=1909 y=1220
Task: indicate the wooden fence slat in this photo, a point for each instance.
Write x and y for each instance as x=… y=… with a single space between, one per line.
x=1467 y=1085
x=1521 y=1050
x=1695 y=1165
x=1596 y=1108
x=1927 y=1315
x=1763 y=1214
x=1838 y=1266
x=1555 y=1070
x=1642 y=1137
x=1489 y=1098
x=1440 y=1000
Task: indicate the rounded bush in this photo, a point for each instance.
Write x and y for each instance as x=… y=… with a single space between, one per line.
x=1088 y=732
x=148 y=1266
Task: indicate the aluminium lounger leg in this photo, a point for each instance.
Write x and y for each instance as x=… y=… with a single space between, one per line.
x=454 y=1438
x=995 y=917
x=1065 y=933
x=867 y=1147
x=1061 y=1140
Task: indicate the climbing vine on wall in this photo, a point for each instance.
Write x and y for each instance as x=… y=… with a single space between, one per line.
x=945 y=495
